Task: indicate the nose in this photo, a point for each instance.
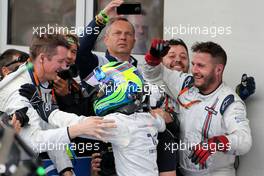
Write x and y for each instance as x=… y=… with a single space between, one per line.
x=70 y=58
x=177 y=58
x=69 y=55
x=123 y=36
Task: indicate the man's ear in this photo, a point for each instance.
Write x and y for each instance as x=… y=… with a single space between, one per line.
x=5 y=70
x=219 y=69
x=105 y=39
x=41 y=56
x=134 y=42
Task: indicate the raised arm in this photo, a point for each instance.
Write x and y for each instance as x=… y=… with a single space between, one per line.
x=155 y=73
x=86 y=60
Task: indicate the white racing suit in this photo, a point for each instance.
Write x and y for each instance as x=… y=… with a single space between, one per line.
x=201 y=117
x=134 y=143
x=39 y=135
x=134 y=140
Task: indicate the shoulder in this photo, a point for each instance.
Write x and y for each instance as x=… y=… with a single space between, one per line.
x=228 y=97
x=14 y=80
x=188 y=81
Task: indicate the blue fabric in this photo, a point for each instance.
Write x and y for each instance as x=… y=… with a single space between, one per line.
x=82 y=167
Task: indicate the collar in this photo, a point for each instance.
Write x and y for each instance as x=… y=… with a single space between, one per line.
x=212 y=93
x=111 y=58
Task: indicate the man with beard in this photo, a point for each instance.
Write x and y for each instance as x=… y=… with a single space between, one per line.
x=177 y=58
x=213 y=124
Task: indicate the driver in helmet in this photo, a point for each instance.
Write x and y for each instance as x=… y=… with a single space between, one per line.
x=120 y=96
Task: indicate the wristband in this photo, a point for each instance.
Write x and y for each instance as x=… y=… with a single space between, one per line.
x=99 y=21
x=105 y=17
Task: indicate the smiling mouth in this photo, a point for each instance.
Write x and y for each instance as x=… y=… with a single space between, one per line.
x=197 y=77
x=177 y=67
x=58 y=71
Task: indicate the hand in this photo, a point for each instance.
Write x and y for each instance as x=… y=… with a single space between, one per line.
x=201 y=152
x=21 y=116
x=165 y=115
x=16 y=124
x=61 y=87
x=247 y=87
x=67 y=173
x=44 y=109
x=110 y=9
x=92 y=126
x=95 y=163
x=30 y=92
x=159 y=48
x=16 y=120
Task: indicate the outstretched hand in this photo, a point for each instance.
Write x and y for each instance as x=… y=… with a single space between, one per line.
x=95 y=127
x=159 y=48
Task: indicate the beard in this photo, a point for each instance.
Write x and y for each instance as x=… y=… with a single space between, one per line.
x=207 y=81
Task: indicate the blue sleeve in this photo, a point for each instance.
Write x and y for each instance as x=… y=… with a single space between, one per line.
x=86 y=60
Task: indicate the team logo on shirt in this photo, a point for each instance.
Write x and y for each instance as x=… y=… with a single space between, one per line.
x=188 y=82
x=240 y=119
x=206 y=126
x=227 y=101
x=211 y=110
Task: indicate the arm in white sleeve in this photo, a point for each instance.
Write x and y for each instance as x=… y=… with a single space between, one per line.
x=238 y=130
x=120 y=135
x=60 y=159
x=159 y=122
x=153 y=74
x=170 y=80
x=34 y=135
x=62 y=119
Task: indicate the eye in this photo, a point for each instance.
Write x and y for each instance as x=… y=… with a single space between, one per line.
x=60 y=61
x=74 y=51
x=171 y=57
x=130 y=34
x=117 y=33
x=183 y=57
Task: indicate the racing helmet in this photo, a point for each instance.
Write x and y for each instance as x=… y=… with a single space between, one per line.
x=120 y=88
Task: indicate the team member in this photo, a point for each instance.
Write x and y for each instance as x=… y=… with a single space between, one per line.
x=211 y=114
x=119 y=40
x=48 y=54
x=120 y=98
x=10 y=60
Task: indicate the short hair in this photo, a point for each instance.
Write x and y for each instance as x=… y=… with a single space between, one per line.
x=6 y=56
x=214 y=49
x=47 y=44
x=113 y=20
x=71 y=38
x=180 y=42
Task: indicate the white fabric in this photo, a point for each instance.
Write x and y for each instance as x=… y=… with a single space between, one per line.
x=39 y=135
x=233 y=123
x=134 y=143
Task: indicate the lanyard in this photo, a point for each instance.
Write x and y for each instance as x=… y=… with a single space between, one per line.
x=186 y=105
x=35 y=80
x=167 y=107
x=37 y=84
